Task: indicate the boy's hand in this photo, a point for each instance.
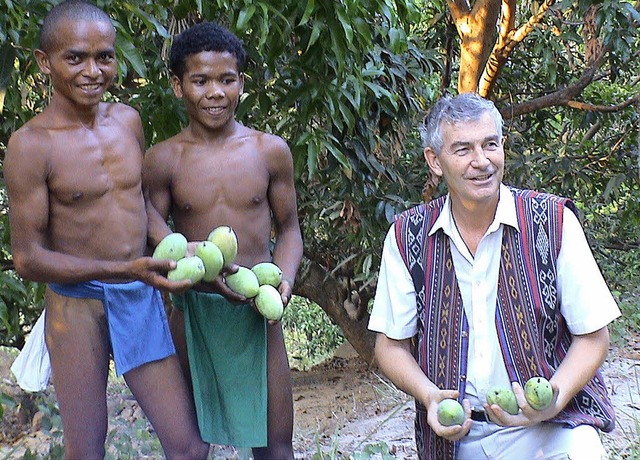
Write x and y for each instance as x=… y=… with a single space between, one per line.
x=285 y=288
x=154 y=273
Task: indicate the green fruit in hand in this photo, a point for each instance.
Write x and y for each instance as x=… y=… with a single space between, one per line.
x=268 y=273
x=538 y=392
x=188 y=268
x=450 y=412
x=225 y=238
x=212 y=258
x=269 y=302
x=503 y=397
x=243 y=282
x=173 y=246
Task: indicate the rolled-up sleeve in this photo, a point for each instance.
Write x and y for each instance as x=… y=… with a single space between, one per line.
x=585 y=299
x=394 y=306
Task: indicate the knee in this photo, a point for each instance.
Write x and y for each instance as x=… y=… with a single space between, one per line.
x=193 y=451
x=280 y=451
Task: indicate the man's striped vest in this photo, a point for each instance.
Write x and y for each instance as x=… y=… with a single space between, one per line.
x=532 y=333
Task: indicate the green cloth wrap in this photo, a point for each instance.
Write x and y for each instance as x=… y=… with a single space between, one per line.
x=227 y=349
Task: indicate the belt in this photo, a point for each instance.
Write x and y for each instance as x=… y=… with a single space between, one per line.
x=479 y=415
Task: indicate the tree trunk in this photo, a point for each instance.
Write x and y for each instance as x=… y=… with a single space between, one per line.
x=330 y=293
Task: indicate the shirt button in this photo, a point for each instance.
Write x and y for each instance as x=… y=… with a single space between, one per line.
x=463 y=377
x=464 y=334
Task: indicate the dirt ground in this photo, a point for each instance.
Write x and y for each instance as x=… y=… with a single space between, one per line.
x=343 y=409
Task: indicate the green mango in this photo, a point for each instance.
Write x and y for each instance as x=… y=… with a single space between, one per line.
x=450 y=412
x=503 y=397
x=227 y=241
x=538 y=392
x=173 y=246
x=244 y=282
x=269 y=302
x=212 y=258
x=268 y=273
x=188 y=268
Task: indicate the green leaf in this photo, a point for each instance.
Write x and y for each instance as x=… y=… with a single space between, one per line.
x=245 y=16
x=132 y=55
x=311 y=4
x=7 y=63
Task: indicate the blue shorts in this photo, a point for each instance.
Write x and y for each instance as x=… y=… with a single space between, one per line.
x=137 y=321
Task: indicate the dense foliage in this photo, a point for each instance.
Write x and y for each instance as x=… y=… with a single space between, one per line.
x=346 y=83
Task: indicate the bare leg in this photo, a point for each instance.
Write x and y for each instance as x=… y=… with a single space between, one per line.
x=78 y=342
x=280 y=399
x=161 y=390
x=176 y=324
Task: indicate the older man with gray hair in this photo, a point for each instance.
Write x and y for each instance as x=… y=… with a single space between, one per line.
x=490 y=286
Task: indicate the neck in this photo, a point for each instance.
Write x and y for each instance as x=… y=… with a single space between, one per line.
x=73 y=113
x=472 y=220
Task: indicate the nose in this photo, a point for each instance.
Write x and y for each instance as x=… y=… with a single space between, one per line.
x=214 y=91
x=92 y=69
x=480 y=157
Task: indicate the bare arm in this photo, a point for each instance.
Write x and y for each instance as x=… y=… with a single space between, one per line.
x=26 y=172
x=157 y=194
x=585 y=355
x=398 y=364
x=287 y=253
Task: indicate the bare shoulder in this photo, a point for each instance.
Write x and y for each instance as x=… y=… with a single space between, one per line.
x=164 y=155
x=120 y=111
x=32 y=140
x=270 y=144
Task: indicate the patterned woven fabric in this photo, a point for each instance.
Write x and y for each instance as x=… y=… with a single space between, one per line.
x=531 y=331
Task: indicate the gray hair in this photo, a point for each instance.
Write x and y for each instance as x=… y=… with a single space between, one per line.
x=454 y=110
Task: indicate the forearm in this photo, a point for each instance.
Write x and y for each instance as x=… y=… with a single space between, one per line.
x=585 y=355
x=398 y=364
x=43 y=265
x=287 y=253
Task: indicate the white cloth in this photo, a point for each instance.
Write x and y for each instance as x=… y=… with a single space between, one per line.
x=585 y=300
x=544 y=441
x=32 y=367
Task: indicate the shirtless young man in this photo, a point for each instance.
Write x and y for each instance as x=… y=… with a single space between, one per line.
x=79 y=223
x=219 y=172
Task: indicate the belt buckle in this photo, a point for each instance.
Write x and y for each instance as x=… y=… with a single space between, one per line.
x=479 y=415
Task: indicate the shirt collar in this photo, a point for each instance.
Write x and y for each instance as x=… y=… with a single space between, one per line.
x=505 y=214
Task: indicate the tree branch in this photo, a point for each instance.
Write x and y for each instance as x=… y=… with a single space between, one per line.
x=560 y=97
x=508 y=39
x=604 y=108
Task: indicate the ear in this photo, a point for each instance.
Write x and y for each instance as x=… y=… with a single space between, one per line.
x=176 y=84
x=433 y=161
x=241 y=80
x=43 y=61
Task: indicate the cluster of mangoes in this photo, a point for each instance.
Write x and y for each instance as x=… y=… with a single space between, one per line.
x=211 y=256
x=537 y=391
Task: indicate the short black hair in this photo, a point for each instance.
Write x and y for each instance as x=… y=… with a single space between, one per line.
x=205 y=36
x=77 y=10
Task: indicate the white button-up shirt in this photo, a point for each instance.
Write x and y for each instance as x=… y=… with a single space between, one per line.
x=585 y=300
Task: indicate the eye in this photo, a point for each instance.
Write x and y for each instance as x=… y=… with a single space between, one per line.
x=492 y=145
x=461 y=151
x=74 y=59
x=228 y=81
x=106 y=57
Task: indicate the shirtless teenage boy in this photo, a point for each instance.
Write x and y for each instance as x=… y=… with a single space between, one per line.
x=219 y=172
x=79 y=223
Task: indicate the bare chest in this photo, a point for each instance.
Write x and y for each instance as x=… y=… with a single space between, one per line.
x=93 y=165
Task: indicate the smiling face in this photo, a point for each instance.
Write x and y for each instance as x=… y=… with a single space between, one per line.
x=210 y=86
x=471 y=161
x=81 y=62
